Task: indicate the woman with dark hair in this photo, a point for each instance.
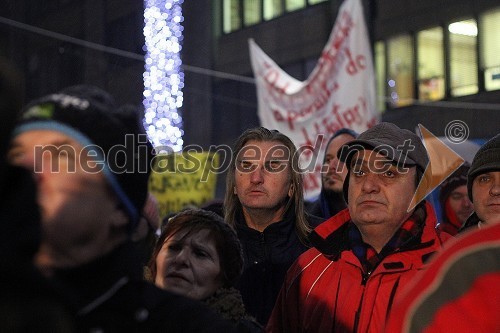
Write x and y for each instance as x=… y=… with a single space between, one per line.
x=199 y=256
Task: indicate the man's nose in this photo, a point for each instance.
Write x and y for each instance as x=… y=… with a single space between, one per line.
x=332 y=164
x=370 y=182
x=256 y=176
x=495 y=187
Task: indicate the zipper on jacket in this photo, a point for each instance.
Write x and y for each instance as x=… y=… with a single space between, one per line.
x=364 y=279
x=263 y=245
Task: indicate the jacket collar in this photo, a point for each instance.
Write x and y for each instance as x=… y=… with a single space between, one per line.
x=331 y=237
x=278 y=229
x=471 y=221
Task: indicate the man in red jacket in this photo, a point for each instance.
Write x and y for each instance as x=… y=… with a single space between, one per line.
x=364 y=255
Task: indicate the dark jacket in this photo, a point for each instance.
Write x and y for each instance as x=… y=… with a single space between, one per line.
x=470 y=224
x=326 y=289
x=267 y=256
x=326 y=205
x=28 y=303
x=109 y=295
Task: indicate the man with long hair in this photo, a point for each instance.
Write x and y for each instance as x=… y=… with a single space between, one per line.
x=264 y=202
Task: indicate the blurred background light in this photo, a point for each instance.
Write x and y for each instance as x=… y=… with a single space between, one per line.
x=163 y=77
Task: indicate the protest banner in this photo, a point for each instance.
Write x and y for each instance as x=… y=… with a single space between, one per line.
x=340 y=92
x=179 y=180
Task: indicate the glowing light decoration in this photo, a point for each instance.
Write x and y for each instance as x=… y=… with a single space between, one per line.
x=163 y=78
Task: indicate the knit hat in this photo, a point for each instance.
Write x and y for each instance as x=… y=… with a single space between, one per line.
x=115 y=136
x=456 y=179
x=399 y=145
x=486 y=159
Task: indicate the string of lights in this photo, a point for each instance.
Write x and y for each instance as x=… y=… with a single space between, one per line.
x=163 y=76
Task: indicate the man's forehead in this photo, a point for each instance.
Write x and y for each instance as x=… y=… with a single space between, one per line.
x=339 y=141
x=264 y=149
x=368 y=155
x=45 y=137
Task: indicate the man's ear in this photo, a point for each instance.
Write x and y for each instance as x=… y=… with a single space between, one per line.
x=291 y=190
x=234 y=190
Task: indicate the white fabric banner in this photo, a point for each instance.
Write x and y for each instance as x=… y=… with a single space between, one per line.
x=340 y=92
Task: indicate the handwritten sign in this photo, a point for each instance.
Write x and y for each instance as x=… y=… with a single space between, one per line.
x=183 y=179
x=340 y=92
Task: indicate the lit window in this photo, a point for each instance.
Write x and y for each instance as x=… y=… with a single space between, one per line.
x=251 y=12
x=490 y=48
x=313 y=2
x=430 y=70
x=272 y=9
x=380 y=75
x=463 y=58
x=292 y=5
x=231 y=14
x=400 y=61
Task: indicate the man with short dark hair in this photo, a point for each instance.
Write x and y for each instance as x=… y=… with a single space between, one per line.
x=363 y=256
x=331 y=198
x=455 y=204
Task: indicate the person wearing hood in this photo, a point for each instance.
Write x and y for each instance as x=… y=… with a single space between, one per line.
x=455 y=204
x=331 y=198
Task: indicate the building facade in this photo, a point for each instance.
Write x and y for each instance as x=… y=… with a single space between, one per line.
x=436 y=60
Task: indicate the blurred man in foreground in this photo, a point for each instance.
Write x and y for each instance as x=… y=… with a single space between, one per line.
x=91 y=163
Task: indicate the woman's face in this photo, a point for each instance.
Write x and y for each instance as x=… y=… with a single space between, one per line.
x=189 y=265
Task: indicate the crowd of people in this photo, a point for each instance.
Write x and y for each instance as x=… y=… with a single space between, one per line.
x=87 y=251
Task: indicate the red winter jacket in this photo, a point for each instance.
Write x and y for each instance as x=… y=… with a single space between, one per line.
x=327 y=291
x=459 y=292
